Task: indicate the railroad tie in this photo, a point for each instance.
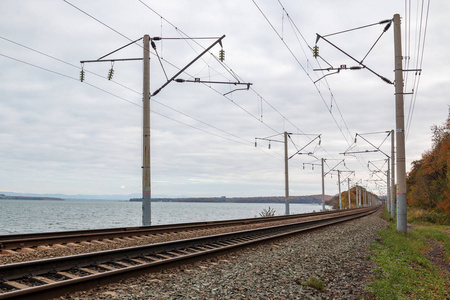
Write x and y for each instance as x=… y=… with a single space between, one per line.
x=107 y=267
x=164 y=256
x=68 y=275
x=123 y=264
x=151 y=258
x=184 y=251
x=43 y=279
x=15 y=285
x=138 y=261
x=98 y=242
x=89 y=271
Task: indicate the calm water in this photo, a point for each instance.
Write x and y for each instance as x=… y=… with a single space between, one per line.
x=41 y=216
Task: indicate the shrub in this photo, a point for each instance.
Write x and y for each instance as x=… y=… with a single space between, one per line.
x=316 y=283
x=267 y=212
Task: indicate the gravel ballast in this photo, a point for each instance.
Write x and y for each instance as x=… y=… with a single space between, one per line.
x=337 y=256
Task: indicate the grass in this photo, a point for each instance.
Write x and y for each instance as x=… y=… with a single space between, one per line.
x=404 y=270
x=315 y=283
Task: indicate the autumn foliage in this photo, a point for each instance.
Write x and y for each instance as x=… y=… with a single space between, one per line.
x=428 y=182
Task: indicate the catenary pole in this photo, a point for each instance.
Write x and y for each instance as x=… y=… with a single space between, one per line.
x=359 y=201
x=392 y=174
x=323 y=185
x=339 y=183
x=286 y=174
x=400 y=128
x=146 y=180
x=349 y=198
x=388 y=184
x=363 y=195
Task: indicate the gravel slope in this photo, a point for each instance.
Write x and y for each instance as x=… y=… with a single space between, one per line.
x=338 y=256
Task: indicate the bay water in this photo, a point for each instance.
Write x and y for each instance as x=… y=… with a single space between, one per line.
x=30 y=216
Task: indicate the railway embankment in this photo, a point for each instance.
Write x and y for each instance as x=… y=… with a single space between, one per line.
x=328 y=263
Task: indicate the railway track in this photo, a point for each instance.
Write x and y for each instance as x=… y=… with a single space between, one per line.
x=16 y=242
x=53 y=277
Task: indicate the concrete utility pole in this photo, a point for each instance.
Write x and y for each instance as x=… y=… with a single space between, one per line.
x=361 y=193
x=392 y=175
x=349 y=198
x=400 y=128
x=146 y=181
x=323 y=185
x=388 y=184
x=339 y=183
x=357 y=196
x=286 y=174
x=365 y=197
x=286 y=159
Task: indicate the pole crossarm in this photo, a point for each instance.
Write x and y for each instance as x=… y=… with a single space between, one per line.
x=344 y=171
x=360 y=63
x=311 y=164
x=375 y=173
x=342 y=67
x=219 y=40
x=332 y=169
x=269 y=139
x=356 y=152
x=198 y=80
x=378 y=169
x=308 y=153
x=289 y=134
x=378 y=148
x=110 y=60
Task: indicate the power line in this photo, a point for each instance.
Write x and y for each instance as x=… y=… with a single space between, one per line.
x=419 y=63
x=300 y=64
x=309 y=76
x=327 y=84
x=104 y=24
x=116 y=31
x=243 y=141
x=228 y=69
x=92 y=17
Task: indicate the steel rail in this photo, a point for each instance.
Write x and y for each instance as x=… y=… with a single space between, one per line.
x=57 y=276
x=30 y=240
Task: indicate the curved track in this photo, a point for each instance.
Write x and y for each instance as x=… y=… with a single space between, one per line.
x=48 y=278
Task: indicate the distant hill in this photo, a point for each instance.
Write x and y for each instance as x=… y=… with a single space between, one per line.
x=311 y=199
x=73 y=197
x=7 y=197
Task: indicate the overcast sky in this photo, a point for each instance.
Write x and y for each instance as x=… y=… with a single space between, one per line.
x=60 y=135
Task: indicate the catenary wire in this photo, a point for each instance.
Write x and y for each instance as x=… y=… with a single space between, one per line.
x=244 y=142
x=317 y=88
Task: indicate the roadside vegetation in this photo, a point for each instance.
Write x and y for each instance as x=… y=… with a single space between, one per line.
x=314 y=282
x=408 y=265
x=416 y=265
x=267 y=212
x=428 y=182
